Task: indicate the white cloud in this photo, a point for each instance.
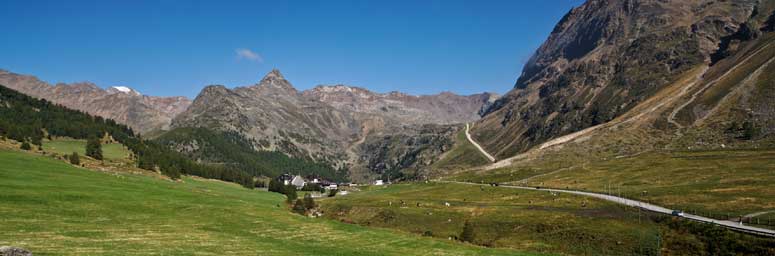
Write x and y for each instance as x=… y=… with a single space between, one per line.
x=247 y=54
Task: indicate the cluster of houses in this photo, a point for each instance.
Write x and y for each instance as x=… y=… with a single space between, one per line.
x=299 y=182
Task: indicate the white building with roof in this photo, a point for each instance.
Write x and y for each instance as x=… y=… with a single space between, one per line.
x=298 y=181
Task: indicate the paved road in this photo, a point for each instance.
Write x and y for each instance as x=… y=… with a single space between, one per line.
x=646 y=206
x=468 y=135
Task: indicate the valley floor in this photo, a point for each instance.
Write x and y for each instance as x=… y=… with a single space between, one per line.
x=540 y=221
x=53 y=208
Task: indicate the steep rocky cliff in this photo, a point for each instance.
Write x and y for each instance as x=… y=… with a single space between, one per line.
x=602 y=59
x=140 y=112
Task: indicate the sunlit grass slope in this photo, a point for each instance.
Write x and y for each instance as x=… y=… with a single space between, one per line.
x=52 y=208
x=112 y=151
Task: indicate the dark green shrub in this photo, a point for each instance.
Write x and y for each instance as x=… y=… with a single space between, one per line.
x=298 y=207
x=468 y=233
x=309 y=202
x=75 y=159
x=94 y=148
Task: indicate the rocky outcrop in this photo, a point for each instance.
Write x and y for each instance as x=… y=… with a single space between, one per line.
x=13 y=251
x=124 y=105
x=602 y=59
x=403 y=152
x=443 y=108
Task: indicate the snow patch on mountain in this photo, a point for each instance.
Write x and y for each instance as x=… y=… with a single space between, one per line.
x=123 y=89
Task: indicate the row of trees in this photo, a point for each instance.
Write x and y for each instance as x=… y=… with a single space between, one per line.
x=24 y=118
x=279 y=187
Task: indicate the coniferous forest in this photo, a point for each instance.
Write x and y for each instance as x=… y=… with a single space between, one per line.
x=28 y=120
x=232 y=149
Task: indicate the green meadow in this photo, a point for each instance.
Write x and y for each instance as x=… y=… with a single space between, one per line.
x=112 y=151
x=53 y=208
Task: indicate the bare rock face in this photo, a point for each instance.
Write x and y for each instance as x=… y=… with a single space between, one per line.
x=603 y=58
x=337 y=125
x=13 y=251
x=124 y=105
x=277 y=117
x=443 y=108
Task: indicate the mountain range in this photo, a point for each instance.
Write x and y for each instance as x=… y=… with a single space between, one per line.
x=337 y=125
x=366 y=132
x=142 y=113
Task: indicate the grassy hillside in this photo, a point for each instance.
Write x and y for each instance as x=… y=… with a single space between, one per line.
x=27 y=119
x=462 y=155
x=50 y=207
x=717 y=182
x=112 y=151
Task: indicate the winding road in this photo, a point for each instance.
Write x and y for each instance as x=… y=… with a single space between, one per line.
x=645 y=206
x=468 y=135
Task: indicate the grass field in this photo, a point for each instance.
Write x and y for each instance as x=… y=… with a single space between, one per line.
x=113 y=151
x=712 y=183
x=53 y=208
x=501 y=217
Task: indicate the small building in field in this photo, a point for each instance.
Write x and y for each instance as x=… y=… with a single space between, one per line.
x=298 y=182
x=379 y=183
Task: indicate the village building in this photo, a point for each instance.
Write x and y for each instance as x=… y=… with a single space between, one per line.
x=285 y=179
x=298 y=182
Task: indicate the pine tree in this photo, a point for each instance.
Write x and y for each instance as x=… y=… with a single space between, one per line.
x=75 y=159
x=290 y=192
x=93 y=148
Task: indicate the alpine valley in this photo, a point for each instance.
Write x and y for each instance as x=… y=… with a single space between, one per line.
x=638 y=127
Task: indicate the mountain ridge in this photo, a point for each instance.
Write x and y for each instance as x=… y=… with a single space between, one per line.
x=345 y=127
x=602 y=59
x=142 y=113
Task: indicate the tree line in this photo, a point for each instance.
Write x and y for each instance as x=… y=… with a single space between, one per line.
x=233 y=149
x=28 y=120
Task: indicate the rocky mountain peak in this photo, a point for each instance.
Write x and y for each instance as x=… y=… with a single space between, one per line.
x=602 y=59
x=274 y=74
x=274 y=83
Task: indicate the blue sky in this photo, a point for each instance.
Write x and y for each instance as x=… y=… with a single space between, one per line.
x=171 y=48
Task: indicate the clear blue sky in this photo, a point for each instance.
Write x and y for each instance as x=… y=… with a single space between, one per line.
x=177 y=47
